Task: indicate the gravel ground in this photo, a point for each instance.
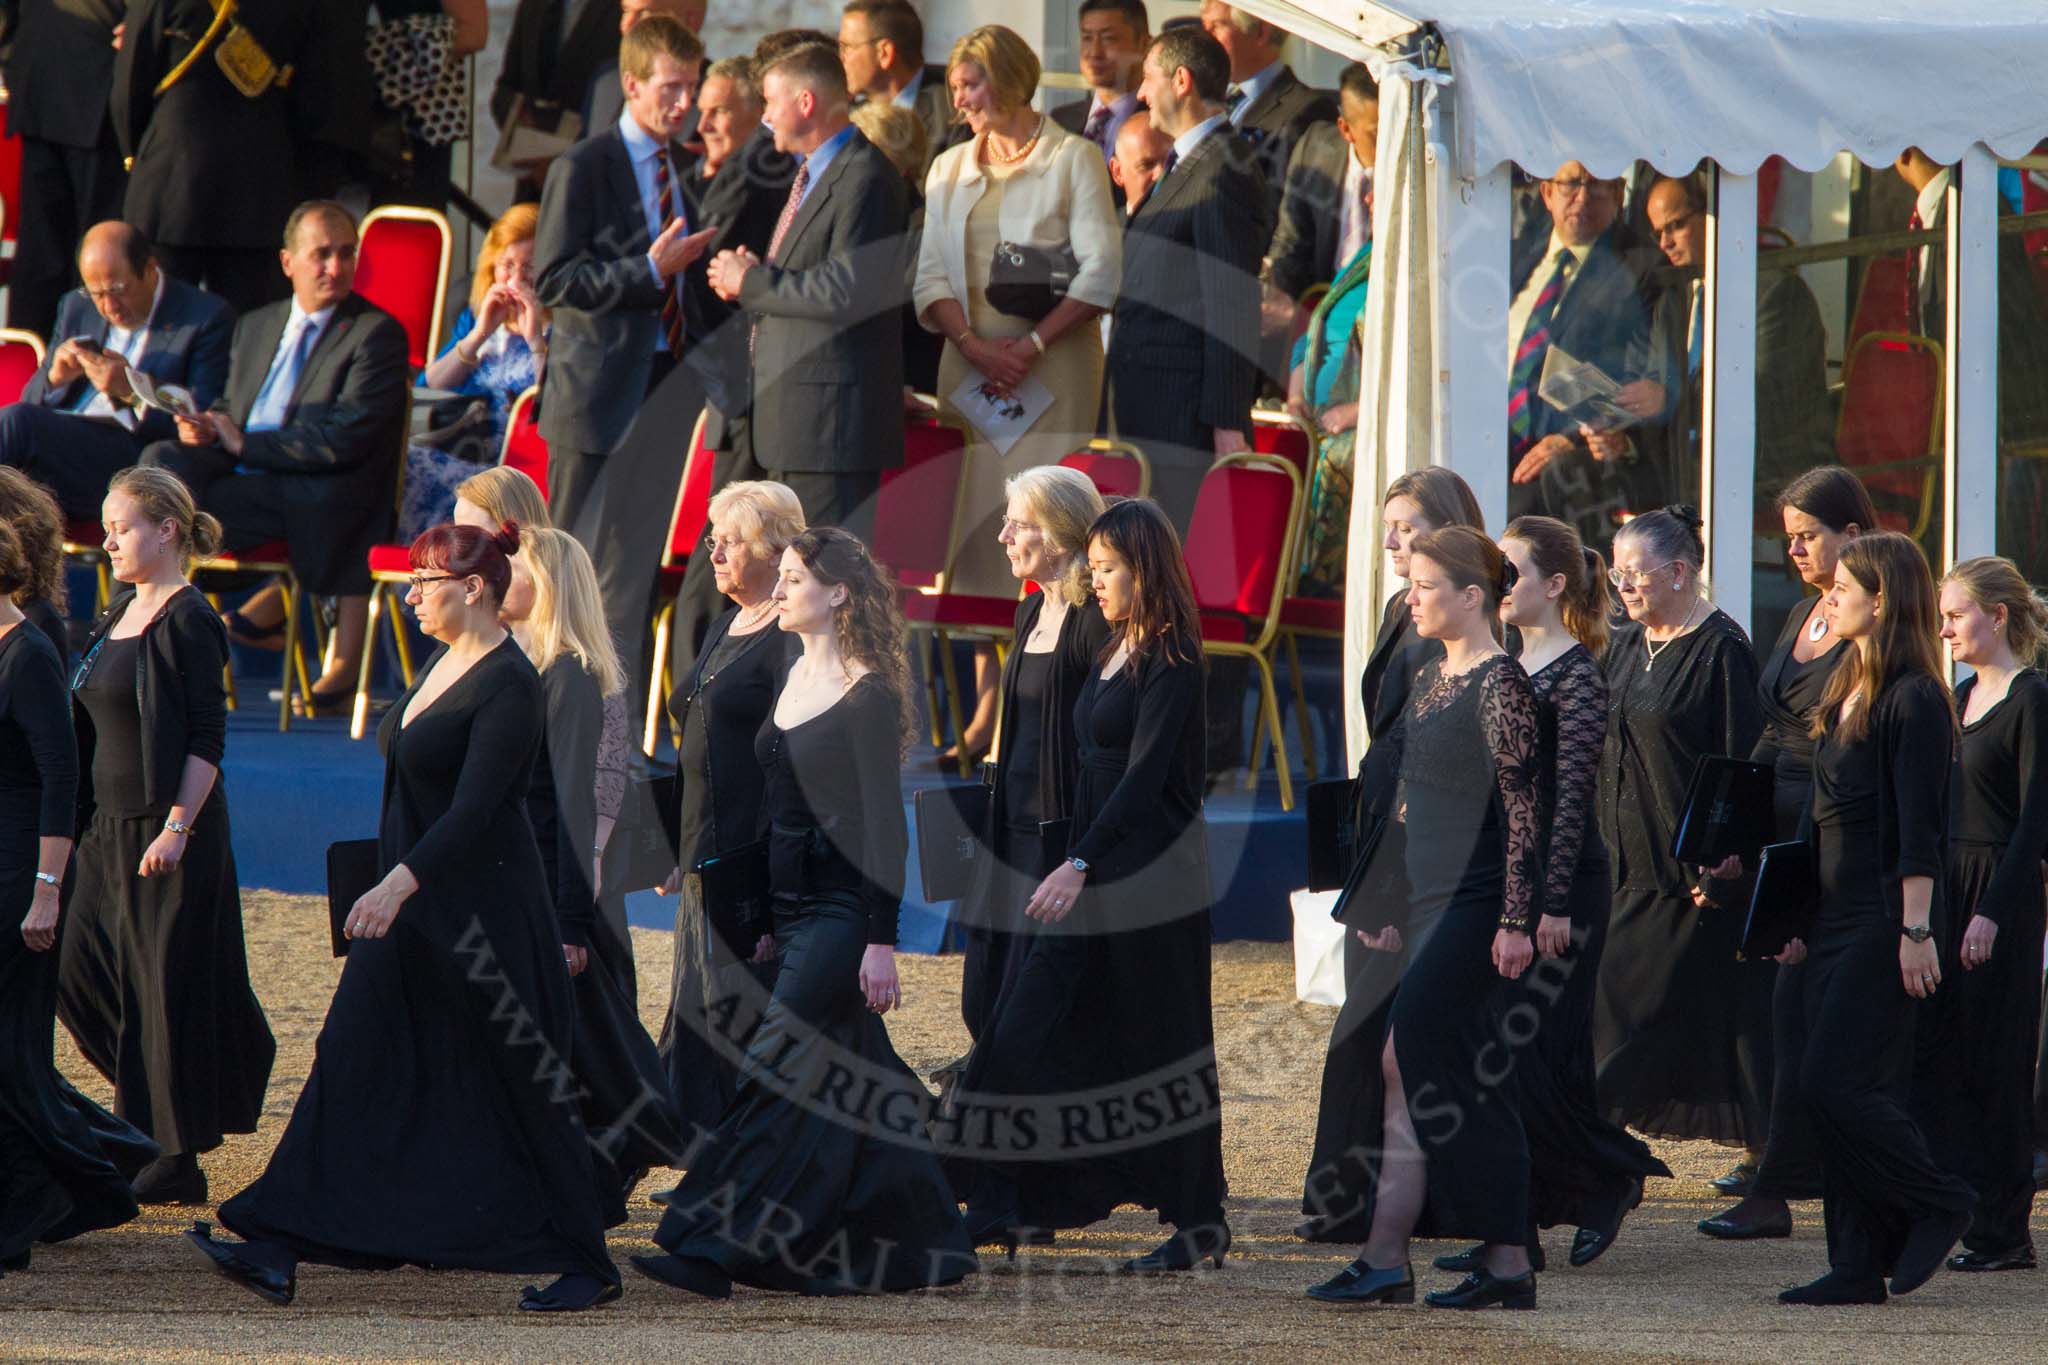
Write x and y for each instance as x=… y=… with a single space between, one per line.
x=1663 y=1293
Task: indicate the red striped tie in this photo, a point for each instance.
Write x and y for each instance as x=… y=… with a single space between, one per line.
x=1528 y=364
x=789 y=208
x=672 y=301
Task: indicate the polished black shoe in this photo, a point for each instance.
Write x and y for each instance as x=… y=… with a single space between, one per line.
x=1473 y=1257
x=1738 y=1227
x=1187 y=1248
x=1363 y=1283
x=698 y=1276
x=1737 y=1181
x=236 y=1261
x=569 y=1294
x=1928 y=1243
x=1835 y=1289
x=1484 y=1289
x=1590 y=1243
x=2012 y=1258
x=171 y=1180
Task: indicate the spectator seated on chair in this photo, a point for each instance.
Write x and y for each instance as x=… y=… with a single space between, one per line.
x=498 y=348
x=79 y=422
x=302 y=448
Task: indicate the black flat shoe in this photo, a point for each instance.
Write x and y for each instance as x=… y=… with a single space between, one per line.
x=1483 y=1289
x=2012 y=1258
x=1737 y=1181
x=1734 y=1227
x=233 y=1259
x=1474 y=1257
x=1928 y=1243
x=698 y=1276
x=1835 y=1289
x=171 y=1180
x=1182 y=1251
x=1363 y=1283
x=1590 y=1243
x=569 y=1294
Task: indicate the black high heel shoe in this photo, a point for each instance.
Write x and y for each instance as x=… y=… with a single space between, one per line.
x=699 y=1277
x=240 y=1262
x=569 y=1294
x=1182 y=1251
x=1363 y=1282
x=1484 y=1289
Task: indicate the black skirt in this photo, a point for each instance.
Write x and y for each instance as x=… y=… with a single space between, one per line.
x=717 y=997
x=996 y=948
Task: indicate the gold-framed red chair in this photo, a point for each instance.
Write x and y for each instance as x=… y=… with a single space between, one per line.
x=22 y=353
x=1240 y=550
x=1889 y=428
x=403 y=256
x=273 y=558
x=526 y=450
x=1276 y=431
x=916 y=544
x=687 y=523
x=1118 y=469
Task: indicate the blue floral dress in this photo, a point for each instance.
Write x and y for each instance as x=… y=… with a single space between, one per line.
x=506 y=367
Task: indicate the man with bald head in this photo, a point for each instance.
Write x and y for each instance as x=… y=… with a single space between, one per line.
x=78 y=423
x=1137 y=162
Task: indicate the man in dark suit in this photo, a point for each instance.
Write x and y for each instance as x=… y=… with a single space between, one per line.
x=606 y=99
x=78 y=422
x=212 y=171
x=1183 y=348
x=304 y=445
x=1114 y=36
x=881 y=45
x=623 y=382
x=58 y=56
x=1326 y=209
x=555 y=49
x=1270 y=106
x=825 y=301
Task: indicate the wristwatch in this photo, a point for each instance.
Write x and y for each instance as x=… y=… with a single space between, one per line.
x=48 y=880
x=1079 y=865
x=177 y=827
x=1919 y=933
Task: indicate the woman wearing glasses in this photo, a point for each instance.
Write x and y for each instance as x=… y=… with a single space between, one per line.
x=1681 y=1027
x=724 y=952
x=153 y=978
x=435 y=1127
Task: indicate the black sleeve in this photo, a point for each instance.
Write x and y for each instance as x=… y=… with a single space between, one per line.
x=1581 y=700
x=1739 y=720
x=1918 y=731
x=345 y=431
x=1167 y=693
x=2017 y=880
x=1232 y=230
x=575 y=721
x=885 y=836
x=504 y=730
x=35 y=697
x=201 y=644
x=1507 y=709
x=1290 y=262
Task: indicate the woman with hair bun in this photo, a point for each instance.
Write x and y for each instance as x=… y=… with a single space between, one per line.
x=1977 y=1054
x=30 y=509
x=1452 y=1160
x=153 y=976
x=438 y=1126
x=1681 y=1026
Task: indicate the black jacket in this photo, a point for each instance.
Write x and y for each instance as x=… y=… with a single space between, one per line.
x=178 y=687
x=58 y=56
x=1276 y=121
x=743 y=200
x=1304 y=251
x=1603 y=318
x=190 y=340
x=555 y=68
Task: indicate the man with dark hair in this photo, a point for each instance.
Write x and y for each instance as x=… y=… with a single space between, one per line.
x=1326 y=210
x=78 y=422
x=1267 y=103
x=304 y=443
x=881 y=45
x=1114 y=36
x=825 y=301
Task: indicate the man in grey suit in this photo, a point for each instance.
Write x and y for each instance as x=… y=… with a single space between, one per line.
x=881 y=45
x=825 y=303
x=1326 y=208
x=1270 y=106
x=303 y=445
x=78 y=422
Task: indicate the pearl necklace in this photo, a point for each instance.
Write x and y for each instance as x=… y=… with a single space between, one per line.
x=1652 y=649
x=762 y=611
x=988 y=146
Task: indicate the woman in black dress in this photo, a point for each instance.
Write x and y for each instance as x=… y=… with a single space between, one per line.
x=1881 y=773
x=1681 y=1026
x=1451 y=1154
x=433 y=1129
x=725 y=954
x=1823 y=510
x=557 y=617
x=153 y=978
x=1976 y=1058
x=65 y=1163
x=1337 y=1190
x=28 y=507
x=1017 y=981
x=821 y=1178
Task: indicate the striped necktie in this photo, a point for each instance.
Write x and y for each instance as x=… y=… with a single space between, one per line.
x=672 y=297
x=789 y=208
x=1528 y=366
x=1097 y=130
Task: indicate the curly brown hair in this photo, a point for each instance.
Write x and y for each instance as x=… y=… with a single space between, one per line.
x=28 y=507
x=869 y=623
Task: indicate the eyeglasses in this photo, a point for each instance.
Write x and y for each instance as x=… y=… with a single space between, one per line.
x=726 y=543
x=1677 y=225
x=112 y=291
x=421 y=582
x=1621 y=578
x=1020 y=527
x=1573 y=188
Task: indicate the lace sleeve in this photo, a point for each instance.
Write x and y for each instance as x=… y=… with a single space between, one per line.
x=1580 y=697
x=1507 y=711
x=611 y=758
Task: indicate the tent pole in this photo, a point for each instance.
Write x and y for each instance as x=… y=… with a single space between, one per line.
x=1970 y=435
x=1728 y=435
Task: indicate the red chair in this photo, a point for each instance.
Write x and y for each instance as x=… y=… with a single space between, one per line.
x=1889 y=430
x=1118 y=469
x=10 y=192
x=21 y=356
x=402 y=264
x=686 y=526
x=1240 y=554
x=273 y=558
x=526 y=450
x=914 y=538
x=1881 y=300
x=1277 y=432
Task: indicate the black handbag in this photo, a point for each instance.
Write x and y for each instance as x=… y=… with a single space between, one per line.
x=352 y=869
x=736 y=888
x=1029 y=281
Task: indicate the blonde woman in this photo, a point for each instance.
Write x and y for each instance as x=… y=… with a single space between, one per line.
x=554 y=612
x=491 y=497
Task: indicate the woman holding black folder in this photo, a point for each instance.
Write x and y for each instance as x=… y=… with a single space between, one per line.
x=1338 y=1182
x=1881 y=774
x=1976 y=1058
x=1822 y=510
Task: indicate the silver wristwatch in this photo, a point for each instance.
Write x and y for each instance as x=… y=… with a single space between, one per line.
x=48 y=880
x=1919 y=933
x=1079 y=865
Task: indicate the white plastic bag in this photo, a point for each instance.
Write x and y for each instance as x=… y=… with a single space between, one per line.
x=1318 y=949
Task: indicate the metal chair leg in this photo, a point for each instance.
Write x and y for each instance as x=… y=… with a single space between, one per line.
x=359 y=713
x=227 y=665
x=399 y=639
x=294 y=653
x=657 y=676
x=953 y=712
x=1269 y=699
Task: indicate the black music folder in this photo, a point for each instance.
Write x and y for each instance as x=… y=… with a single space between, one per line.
x=1728 y=810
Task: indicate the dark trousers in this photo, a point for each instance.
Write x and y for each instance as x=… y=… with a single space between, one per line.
x=68 y=190
x=247 y=277
x=74 y=457
x=845 y=500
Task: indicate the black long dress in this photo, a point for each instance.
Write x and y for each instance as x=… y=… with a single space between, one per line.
x=1880 y=815
x=1975 y=1066
x=1581 y=1163
x=435 y=1127
x=1338 y=1178
x=1681 y=1026
x=821 y=1177
x=153 y=979
x=623 y=1088
x=65 y=1163
x=1789 y=691
x=716 y=993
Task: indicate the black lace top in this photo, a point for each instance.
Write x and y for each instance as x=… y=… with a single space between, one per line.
x=1571 y=708
x=1473 y=737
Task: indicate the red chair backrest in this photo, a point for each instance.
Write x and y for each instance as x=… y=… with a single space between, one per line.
x=1286 y=440
x=914 y=509
x=18 y=365
x=401 y=266
x=10 y=183
x=1114 y=474
x=525 y=449
x=1891 y=410
x=693 y=508
x=1237 y=539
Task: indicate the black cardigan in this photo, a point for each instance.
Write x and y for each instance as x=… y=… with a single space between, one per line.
x=561 y=798
x=178 y=685
x=1914 y=729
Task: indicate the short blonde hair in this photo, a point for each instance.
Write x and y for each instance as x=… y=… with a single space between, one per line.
x=1065 y=503
x=897 y=132
x=506 y=494
x=517 y=224
x=760 y=510
x=568 y=611
x=1006 y=59
x=657 y=35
